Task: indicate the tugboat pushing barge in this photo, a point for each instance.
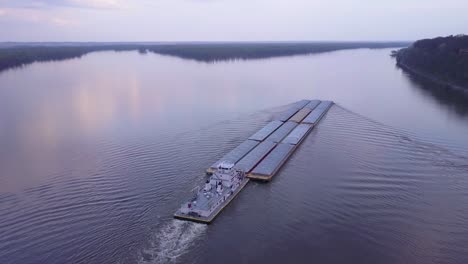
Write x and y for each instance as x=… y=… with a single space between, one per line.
x=221 y=187
x=260 y=157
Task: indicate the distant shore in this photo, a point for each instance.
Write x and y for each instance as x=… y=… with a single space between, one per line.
x=14 y=55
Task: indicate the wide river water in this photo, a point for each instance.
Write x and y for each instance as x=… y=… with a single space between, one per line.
x=97 y=153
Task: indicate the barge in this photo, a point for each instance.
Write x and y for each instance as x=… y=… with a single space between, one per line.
x=260 y=157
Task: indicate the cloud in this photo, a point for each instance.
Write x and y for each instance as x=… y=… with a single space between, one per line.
x=104 y=4
x=51 y=12
x=58 y=21
x=94 y=4
x=34 y=16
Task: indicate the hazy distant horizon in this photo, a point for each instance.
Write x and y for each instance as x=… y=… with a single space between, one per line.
x=207 y=42
x=226 y=20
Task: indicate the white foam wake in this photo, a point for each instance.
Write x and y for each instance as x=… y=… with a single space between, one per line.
x=172 y=241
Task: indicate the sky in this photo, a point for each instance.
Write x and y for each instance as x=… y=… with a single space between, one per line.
x=230 y=20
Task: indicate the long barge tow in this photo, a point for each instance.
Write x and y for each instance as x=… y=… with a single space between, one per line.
x=260 y=157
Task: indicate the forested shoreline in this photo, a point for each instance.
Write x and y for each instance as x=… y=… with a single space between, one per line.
x=18 y=54
x=443 y=60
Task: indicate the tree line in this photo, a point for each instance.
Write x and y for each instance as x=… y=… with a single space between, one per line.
x=21 y=54
x=443 y=58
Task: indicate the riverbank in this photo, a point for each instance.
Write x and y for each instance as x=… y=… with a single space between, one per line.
x=433 y=79
x=442 y=60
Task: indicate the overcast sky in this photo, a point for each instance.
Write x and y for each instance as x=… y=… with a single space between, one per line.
x=230 y=20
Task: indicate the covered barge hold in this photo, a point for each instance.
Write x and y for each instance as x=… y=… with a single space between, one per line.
x=317 y=113
x=299 y=116
x=325 y=105
x=282 y=132
x=272 y=163
x=312 y=104
x=300 y=104
x=313 y=117
x=298 y=134
x=255 y=156
x=236 y=154
x=266 y=130
x=284 y=116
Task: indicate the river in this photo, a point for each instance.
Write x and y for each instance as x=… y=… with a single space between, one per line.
x=98 y=152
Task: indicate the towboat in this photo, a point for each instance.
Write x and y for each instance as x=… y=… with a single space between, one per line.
x=224 y=183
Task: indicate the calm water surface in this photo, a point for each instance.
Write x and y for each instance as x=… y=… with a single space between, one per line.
x=97 y=153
